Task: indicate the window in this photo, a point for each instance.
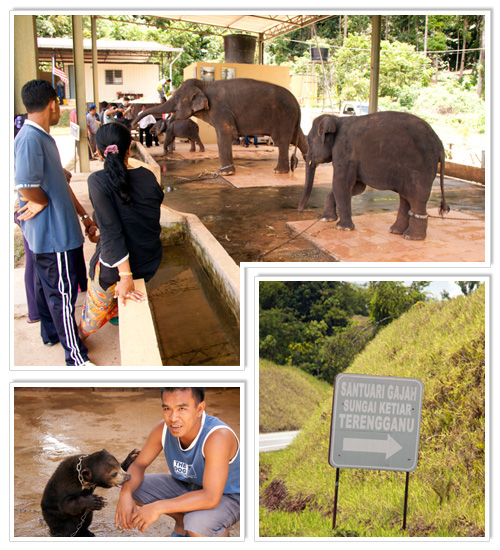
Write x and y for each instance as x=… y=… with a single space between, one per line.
x=114 y=77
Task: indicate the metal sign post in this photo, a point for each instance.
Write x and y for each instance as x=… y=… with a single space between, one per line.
x=375 y=425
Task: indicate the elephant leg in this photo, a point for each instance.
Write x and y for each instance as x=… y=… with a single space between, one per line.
x=403 y=218
x=344 y=183
x=225 y=144
x=283 y=166
x=200 y=145
x=330 y=210
x=192 y=149
x=167 y=144
x=417 y=228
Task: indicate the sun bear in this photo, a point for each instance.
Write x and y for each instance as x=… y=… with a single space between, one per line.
x=68 y=499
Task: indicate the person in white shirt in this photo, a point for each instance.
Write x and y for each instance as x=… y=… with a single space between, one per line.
x=145 y=124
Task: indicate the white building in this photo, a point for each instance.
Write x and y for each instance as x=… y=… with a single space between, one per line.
x=125 y=68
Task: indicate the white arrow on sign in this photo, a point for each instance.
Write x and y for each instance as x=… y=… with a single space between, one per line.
x=388 y=446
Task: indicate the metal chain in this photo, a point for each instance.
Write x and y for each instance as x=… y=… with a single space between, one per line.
x=263 y=254
x=79 y=472
x=84 y=485
x=82 y=521
x=454 y=219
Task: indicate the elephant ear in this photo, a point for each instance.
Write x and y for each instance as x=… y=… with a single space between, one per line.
x=327 y=125
x=199 y=101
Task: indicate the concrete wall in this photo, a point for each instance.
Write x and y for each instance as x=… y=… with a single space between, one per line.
x=268 y=73
x=305 y=88
x=137 y=78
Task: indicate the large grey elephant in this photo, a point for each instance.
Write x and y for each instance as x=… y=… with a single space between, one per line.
x=237 y=107
x=187 y=129
x=388 y=151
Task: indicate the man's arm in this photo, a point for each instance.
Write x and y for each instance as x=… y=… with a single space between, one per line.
x=221 y=446
x=126 y=505
x=36 y=201
x=90 y=227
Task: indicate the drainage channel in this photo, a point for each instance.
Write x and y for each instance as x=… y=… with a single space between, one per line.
x=194 y=325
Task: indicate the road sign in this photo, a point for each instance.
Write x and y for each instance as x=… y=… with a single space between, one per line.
x=376 y=422
x=74 y=130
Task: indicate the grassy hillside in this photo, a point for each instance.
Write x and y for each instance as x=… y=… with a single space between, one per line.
x=286 y=397
x=443 y=344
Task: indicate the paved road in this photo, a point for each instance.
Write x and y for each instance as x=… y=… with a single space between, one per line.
x=275 y=441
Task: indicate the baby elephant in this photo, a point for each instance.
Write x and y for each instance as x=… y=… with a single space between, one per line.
x=68 y=499
x=187 y=129
x=388 y=151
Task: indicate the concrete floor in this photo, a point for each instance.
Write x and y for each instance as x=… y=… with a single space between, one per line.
x=53 y=423
x=458 y=237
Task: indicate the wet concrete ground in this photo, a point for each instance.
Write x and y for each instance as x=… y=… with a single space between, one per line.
x=53 y=423
x=249 y=212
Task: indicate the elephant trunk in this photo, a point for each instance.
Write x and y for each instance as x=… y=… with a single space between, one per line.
x=167 y=107
x=310 y=172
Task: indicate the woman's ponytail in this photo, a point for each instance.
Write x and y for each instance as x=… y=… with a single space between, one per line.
x=113 y=141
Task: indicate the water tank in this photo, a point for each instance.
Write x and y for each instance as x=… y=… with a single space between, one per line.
x=239 y=48
x=318 y=54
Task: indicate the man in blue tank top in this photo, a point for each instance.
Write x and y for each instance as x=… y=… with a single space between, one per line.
x=202 y=490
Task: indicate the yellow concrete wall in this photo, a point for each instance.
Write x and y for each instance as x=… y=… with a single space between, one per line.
x=268 y=73
x=305 y=88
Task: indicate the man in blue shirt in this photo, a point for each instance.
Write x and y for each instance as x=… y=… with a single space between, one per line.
x=49 y=221
x=202 y=491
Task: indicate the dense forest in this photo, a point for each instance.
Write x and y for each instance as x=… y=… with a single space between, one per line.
x=416 y=45
x=320 y=326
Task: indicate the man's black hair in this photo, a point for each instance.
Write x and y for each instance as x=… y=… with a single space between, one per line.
x=198 y=393
x=37 y=94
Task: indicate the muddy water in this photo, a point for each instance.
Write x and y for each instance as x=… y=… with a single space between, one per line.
x=250 y=223
x=194 y=326
x=53 y=423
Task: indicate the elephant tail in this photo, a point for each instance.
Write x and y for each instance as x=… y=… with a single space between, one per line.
x=300 y=142
x=443 y=208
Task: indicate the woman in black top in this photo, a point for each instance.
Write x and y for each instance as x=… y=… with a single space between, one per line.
x=127 y=204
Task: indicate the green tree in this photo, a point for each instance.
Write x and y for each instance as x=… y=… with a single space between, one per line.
x=392 y=298
x=467 y=287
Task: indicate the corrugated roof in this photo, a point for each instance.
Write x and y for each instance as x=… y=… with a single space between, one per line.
x=108 y=51
x=268 y=25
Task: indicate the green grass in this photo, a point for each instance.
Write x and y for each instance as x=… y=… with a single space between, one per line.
x=287 y=396
x=443 y=344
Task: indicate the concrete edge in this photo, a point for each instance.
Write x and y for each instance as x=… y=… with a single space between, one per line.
x=219 y=266
x=138 y=339
x=465 y=172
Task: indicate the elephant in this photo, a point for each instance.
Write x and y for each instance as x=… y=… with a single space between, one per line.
x=388 y=151
x=178 y=128
x=239 y=106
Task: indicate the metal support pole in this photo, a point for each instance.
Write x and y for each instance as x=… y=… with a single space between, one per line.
x=261 y=49
x=375 y=62
x=81 y=104
x=95 y=64
x=337 y=476
x=406 y=500
x=25 y=57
